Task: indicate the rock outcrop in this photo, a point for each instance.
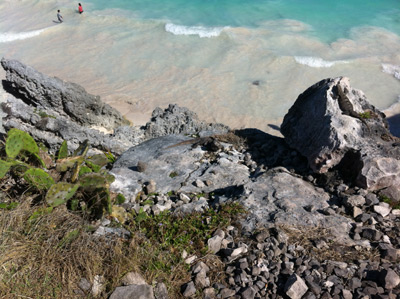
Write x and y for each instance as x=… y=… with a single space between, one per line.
x=52 y=110
x=309 y=232
x=67 y=99
x=362 y=147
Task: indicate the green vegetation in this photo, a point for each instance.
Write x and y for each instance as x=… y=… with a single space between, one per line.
x=43 y=114
x=82 y=178
x=365 y=115
x=49 y=211
x=393 y=204
x=173 y=174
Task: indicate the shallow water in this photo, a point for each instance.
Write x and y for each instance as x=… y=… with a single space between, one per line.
x=239 y=63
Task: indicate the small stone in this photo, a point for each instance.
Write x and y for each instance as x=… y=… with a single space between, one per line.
x=208 y=183
x=133 y=278
x=262 y=236
x=248 y=293
x=214 y=244
x=184 y=197
x=371 y=234
x=356 y=211
x=354 y=283
x=346 y=294
x=133 y=291
x=141 y=166
x=199 y=267
x=295 y=287
x=209 y=293
x=84 y=285
x=199 y=183
x=150 y=187
x=190 y=259
x=389 y=279
x=190 y=289
x=160 y=291
x=354 y=201
x=226 y=293
x=382 y=210
x=202 y=280
x=396 y=212
x=98 y=285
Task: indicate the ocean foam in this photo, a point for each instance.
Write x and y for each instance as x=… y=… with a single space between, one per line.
x=193 y=30
x=9 y=37
x=316 y=61
x=391 y=69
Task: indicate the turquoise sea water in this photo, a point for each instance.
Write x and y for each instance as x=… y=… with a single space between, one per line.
x=206 y=54
x=328 y=19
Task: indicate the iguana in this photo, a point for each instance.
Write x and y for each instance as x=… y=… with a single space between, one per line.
x=210 y=143
x=346 y=106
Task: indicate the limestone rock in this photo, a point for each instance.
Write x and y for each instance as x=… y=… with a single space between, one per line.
x=133 y=278
x=363 y=149
x=177 y=120
x=295 y=287
x=133 y=291
x=67 y=99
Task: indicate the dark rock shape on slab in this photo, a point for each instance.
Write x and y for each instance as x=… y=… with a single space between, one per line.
x=67 y=99
x=333 y=125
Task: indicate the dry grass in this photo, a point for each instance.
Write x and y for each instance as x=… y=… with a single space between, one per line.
x=46 y=257
x=306 y=237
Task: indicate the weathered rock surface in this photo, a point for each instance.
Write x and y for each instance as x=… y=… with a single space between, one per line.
x=176 y=120
x=361 y=147
x=52 y=110
x=142 y=291
x=67 y=99
x=174 y=166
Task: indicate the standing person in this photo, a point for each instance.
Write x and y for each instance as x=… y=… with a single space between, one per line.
x=59 y=16
x=80 y=9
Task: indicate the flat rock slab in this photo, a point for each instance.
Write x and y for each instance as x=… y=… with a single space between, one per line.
x=280 y=197
x=174 y=165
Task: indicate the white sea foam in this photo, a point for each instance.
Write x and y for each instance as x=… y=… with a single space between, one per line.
x=193 y=30
x=9 y=36
x=316 y=61
x=391 y=69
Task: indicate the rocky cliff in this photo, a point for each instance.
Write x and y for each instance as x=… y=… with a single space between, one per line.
x=315 y=226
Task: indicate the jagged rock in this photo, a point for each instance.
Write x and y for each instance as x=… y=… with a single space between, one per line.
x=67 y=99
x=362 y=148
x=190 y=289
x=214 y=244
x=279 y=196
x=53 y=129
x=177 y=120
x=160 y=291
x=382 y=209
x=295 y=287
x=389 y=279
x=142 y=291
x=171 y=163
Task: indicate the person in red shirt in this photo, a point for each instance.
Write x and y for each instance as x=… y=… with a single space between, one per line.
x=80 y=9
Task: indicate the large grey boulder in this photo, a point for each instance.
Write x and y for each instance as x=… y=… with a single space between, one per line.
x=333 y=136
x=65 y=98
x=283 y=198
x=174 y=165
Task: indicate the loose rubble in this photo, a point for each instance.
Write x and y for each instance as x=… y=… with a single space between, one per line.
x=312 y=229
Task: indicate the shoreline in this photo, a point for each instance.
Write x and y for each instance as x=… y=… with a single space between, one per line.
x=250 y=77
